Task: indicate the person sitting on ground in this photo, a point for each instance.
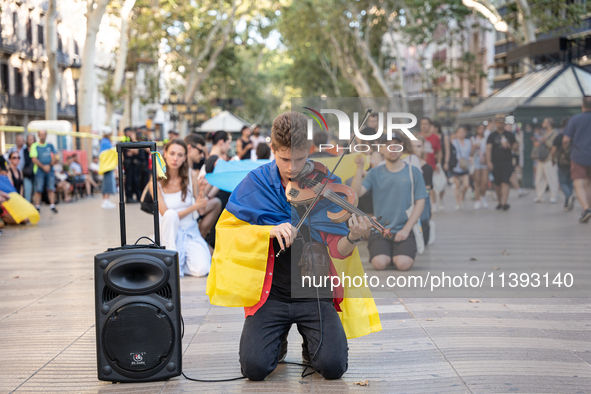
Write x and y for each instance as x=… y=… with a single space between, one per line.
x=209 y=214
x=263 y=152
x=14 y=174
x=392 y=182
x=64 y=183
x=175 y=204
x=92 y=180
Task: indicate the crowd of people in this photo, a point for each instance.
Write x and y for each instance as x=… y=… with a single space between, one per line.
x=479 y=163
x=39 y=173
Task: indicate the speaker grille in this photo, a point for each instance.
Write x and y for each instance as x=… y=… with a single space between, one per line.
x=138 y=337
x=165 y=292
x=109 y=295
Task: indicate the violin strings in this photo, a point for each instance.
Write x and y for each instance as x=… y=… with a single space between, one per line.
x=337 y=199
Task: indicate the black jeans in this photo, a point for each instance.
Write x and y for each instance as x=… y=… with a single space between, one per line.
x=263 y=334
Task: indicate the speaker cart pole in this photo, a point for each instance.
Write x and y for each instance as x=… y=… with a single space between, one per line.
x=137 y=302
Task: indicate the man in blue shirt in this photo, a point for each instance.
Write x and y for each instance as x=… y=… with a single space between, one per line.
x=44 y=156
x=391 y=190
x=578 y=133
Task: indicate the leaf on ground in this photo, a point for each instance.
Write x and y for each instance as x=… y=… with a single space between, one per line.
x=473 y=301
x=16 y=277
x=473 y=259
x=428 y=319
x=497 y=268
x=362 y=383
x=505 y=253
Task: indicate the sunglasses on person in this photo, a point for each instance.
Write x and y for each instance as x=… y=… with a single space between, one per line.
x=16 y=157
x=199 y=149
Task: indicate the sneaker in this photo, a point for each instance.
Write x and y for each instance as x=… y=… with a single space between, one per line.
x=484 y=202
x=434 y=208
x=499 y=207
x=537 y=200
x=506 y=207
x=585 y=216
x=553 y=201
x=571 y=202
x=283 y=352
x=457 y=208
x=38 y=208
x=441 y=206
x=522 y=193
x=107 y=204
x=477 y=205
x=431 y=232
x=53 y=210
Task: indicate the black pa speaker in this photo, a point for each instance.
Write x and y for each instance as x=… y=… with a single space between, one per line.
x=137 y=305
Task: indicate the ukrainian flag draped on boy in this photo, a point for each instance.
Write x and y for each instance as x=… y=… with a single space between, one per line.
x=241 y=254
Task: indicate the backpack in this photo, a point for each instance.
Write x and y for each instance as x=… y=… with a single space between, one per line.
x=563 y=156
x=453 y=157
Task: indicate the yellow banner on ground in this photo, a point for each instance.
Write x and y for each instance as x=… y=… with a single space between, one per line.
x=20 y=209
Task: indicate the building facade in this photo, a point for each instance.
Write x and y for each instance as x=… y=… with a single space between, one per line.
x=23 y=56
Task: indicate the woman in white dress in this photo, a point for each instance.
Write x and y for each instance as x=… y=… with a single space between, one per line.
x=177 y=207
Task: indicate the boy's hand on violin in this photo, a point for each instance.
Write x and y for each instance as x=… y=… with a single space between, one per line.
x=360 y=227
x=285 y=234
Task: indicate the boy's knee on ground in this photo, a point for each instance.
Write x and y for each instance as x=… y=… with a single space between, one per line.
x=255 y=369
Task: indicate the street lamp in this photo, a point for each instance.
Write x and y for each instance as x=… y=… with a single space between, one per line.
x=177 y=109
x=75 y=70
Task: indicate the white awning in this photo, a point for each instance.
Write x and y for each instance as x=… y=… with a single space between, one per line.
x=226 y=121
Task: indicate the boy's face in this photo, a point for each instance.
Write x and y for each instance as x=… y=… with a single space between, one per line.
x=290 y=162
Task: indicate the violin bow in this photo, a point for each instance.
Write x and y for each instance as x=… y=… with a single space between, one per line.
x=330 y=173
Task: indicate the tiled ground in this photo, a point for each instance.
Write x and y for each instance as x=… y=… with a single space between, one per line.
x=428 y=345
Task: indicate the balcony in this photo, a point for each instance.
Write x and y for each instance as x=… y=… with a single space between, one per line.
x=20 y=103
x=8 y=45
x=25 y=48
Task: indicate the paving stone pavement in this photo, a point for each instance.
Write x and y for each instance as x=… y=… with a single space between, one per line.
x=428 y=345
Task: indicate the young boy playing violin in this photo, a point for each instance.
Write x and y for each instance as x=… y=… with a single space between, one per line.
x=249 y=271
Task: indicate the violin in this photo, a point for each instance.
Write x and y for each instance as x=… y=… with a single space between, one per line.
x=304 y=190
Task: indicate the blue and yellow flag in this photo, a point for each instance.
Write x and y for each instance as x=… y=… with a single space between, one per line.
x=239 y=261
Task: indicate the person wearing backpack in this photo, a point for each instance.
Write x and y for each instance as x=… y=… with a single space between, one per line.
x=561 y=157
x=546 y=172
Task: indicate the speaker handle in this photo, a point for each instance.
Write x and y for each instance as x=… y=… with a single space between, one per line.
x=121 y=146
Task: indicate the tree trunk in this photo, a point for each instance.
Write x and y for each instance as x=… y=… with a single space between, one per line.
x=123 y=46
x=52 y=82
x=88 y=76
x=354 y=75
x=121 y=57
x=528 y=24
